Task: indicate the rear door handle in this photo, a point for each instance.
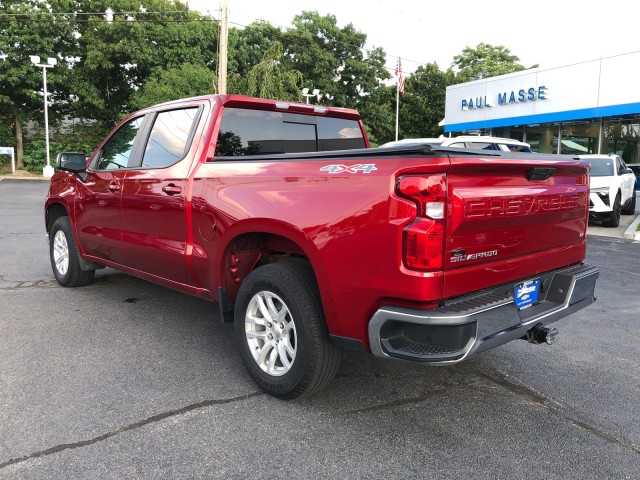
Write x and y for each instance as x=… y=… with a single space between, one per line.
x=172 y=189
x=114 y=187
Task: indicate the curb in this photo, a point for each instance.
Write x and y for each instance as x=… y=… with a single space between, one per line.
x=631 y=233
x=37 y=178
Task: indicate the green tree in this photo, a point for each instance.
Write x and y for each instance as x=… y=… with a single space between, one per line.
x=485 y=61
x=331 y=59
x=187 y=80
x=118 y=57
x=378 y=114
x=29 y=27
x=248 y=46
x=423 y=104
x=269 y=79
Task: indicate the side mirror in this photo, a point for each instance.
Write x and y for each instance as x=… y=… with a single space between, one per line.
x=71 y=161
x=628 y=170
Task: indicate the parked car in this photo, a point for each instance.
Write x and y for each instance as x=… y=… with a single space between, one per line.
x=612 y=189
x=635 y=167
x=469 y=141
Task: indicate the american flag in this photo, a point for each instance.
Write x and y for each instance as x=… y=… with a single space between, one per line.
x=400 y=77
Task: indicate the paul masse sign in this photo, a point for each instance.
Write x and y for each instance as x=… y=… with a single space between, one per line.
x=586 y=90
x=506 y=98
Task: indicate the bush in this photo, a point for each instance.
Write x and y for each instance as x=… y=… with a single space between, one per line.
x=83 y=139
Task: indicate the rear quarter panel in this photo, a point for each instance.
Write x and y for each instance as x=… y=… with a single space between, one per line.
x=348 y=224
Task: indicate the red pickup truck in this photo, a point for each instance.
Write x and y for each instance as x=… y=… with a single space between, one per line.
x=309 y=240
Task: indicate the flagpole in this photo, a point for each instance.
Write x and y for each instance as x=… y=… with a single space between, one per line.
x=399 y=87
x=397 y=107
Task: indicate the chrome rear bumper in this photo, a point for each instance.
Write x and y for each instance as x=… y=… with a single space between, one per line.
x=474 y=323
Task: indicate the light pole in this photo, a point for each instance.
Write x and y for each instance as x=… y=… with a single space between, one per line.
x=47 y=171
x=305 y=93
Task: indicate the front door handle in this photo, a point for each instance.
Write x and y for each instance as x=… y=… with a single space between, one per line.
x=114 y=187
x=172 y=189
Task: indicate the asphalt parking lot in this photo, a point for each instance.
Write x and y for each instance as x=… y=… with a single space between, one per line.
x=125 y=379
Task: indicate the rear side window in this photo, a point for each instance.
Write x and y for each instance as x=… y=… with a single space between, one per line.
x=515 y=148
x=258 y=132
x=169 y=138
x=482 y=146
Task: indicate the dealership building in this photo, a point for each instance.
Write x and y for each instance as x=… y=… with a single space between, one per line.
x=587 y=107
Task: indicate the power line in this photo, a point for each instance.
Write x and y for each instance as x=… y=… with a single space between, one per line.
x=133 y=12
x=115 y=20
x=45 y=16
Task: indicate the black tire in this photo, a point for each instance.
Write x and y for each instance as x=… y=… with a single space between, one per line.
x=614 y=219
x=66 y=266
x=630 y=209
x=291 y=291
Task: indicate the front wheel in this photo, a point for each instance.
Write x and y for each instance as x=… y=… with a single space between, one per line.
x=281 y=333
x=631 y=206
x=64 y=256
x=614 y=219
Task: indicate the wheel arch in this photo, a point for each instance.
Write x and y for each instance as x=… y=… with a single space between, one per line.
x=54 y=211
x=247 y=248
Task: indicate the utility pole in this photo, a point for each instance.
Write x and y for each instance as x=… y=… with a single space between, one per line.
x=224 y=42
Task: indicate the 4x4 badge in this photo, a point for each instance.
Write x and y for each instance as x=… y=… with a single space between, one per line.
x=364 y=168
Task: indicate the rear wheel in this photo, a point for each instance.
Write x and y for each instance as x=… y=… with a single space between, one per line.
x=630 y=209
x=64 y=256
x=280 y=331
x=614 y=218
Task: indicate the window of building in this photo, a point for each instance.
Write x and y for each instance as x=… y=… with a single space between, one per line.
x=622 y=137
x=579 y=138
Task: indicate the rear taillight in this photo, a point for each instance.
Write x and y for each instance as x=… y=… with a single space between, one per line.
x=423 y=240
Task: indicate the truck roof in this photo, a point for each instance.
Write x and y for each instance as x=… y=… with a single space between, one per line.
x=243 y=101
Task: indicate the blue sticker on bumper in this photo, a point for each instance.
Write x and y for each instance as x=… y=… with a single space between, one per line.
x=525 y=294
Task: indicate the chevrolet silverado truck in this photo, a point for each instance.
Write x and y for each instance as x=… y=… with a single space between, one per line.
x=311 y=241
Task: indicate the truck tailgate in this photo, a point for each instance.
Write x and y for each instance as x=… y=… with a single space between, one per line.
x=511 y=219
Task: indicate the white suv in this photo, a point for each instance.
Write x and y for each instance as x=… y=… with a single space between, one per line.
x=469 y=141
x=612 y=189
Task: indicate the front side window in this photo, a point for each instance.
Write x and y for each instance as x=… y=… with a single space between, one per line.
x=169 y=138
x=116 y=151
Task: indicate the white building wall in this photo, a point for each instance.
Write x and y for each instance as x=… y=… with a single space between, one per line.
x=597 y=88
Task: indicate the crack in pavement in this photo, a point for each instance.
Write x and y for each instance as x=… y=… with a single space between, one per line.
x=538 y=399
x=433 y=390
x=457 y=382
x=22 y=284
x=52 y=283
x=127 y=428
